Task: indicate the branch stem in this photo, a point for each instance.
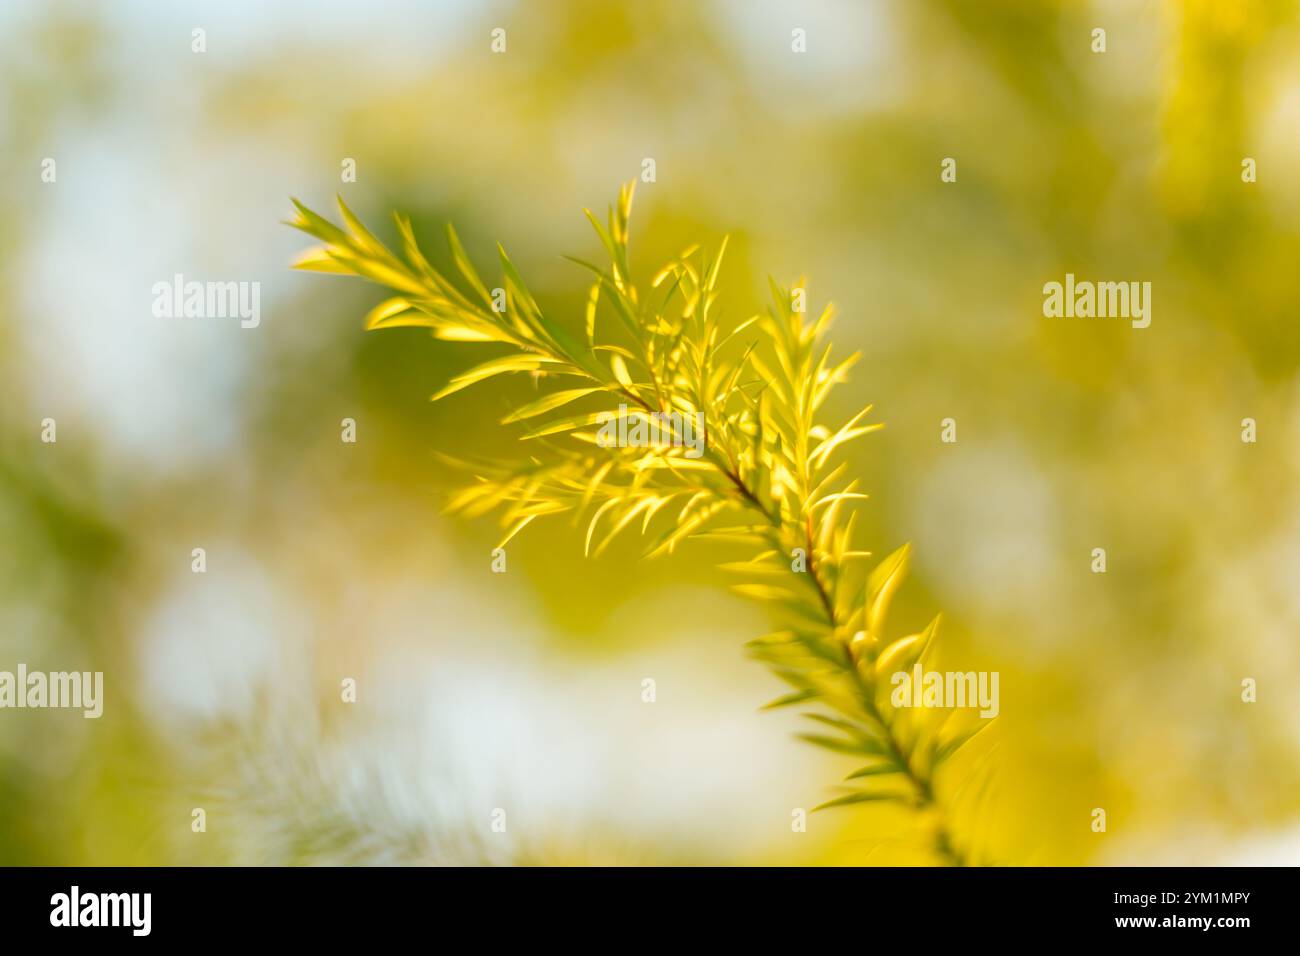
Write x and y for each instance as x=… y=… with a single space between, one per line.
x=924 y=790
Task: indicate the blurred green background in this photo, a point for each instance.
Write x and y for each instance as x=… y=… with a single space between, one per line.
x=523 y=691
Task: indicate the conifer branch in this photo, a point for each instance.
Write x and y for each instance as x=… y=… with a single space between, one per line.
x=739 y=454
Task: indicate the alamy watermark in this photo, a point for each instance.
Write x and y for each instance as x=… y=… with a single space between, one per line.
x=921 y=688
x=208 y=300
x=1101 y=300
x=75 y=908
x=651 y=429
x=55 y=689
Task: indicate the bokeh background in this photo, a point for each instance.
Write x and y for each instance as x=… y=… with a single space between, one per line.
x=523 y=691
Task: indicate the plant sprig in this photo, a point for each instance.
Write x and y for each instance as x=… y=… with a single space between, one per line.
x=766 y=479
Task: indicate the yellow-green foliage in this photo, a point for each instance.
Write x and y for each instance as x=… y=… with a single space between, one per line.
x=767 y=477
